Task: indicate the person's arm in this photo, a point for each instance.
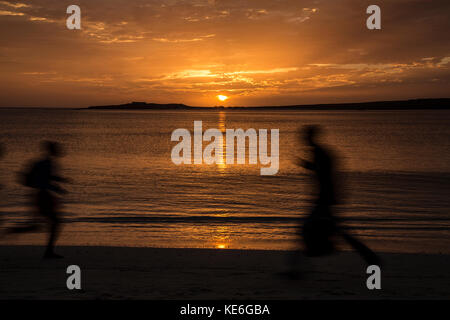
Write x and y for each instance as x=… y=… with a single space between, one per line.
x=54 y=176
x=305 y=164
x=60 y=179
x=56 y=188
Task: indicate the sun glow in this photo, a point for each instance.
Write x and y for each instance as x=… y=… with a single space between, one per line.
x=222 y=97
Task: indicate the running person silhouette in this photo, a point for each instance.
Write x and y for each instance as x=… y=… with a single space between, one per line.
x=321 y=225
x=42 y=177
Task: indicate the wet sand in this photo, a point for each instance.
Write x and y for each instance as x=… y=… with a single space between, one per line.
x=152 y=273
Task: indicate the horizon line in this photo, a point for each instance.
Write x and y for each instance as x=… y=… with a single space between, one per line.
x=238 y=106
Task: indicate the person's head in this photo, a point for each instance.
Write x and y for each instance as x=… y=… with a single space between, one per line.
x=52 y=149
x=310 y=134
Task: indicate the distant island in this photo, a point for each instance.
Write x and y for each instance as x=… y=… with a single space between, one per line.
x=144 y=106
x=415 y=104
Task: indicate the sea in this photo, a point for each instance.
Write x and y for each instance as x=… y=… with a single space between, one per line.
x=125 y=190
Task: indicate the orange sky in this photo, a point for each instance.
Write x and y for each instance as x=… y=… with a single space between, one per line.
x=259 y=52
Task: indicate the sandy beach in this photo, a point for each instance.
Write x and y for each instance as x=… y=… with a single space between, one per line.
x=152 y=273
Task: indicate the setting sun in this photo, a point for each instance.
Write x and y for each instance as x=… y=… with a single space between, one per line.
x=222 y=97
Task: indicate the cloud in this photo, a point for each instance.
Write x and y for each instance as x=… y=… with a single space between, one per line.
x=15 y=5
x=199 y=38
x=284 y=51
x=10 y=13
x=444 y=61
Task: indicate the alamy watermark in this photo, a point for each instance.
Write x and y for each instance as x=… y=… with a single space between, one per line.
x=213 y=153
x=73 y=22
x=74 y=278
x=374 y=280
x=373 y=22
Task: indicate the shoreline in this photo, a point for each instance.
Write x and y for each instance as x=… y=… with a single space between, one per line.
x=341 y=247
x=189 y=274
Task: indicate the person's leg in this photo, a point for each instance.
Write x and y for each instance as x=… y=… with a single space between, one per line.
x=311 y=242
x=33 y=225
x=53 y=235
x=54 y=226
x=318 y=237
x=312 y=235
x=366 y=253
x=25 y=229
x=296 y=260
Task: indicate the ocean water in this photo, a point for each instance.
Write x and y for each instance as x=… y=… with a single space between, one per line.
x=125 y=190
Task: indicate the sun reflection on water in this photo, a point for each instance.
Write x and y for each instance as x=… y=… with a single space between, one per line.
x=221 y=163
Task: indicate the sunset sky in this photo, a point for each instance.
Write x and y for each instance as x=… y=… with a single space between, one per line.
x=259 y=52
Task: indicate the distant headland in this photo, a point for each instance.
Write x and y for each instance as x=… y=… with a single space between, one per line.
x=144 y=106
x=414 y=104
